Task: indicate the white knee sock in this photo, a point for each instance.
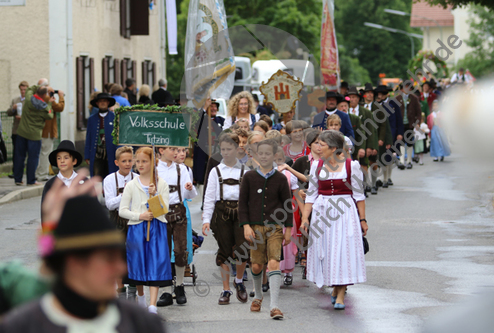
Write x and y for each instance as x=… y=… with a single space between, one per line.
x=390 y=169
x=385 y=174
x=168 y=289
x=402 y=154
x=409 y=154
x=257 y=284
x=180 y=271
x=274 y=287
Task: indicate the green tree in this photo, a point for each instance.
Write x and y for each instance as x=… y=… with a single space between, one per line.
x=378 y=51
x=460 y=3
x=480 y=61
x=351 y=70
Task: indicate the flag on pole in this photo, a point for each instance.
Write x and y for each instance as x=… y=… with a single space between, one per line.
x=171 y=21
x=330 y=66
x=209 y=57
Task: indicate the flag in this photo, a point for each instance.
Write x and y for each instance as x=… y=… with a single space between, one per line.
x=171 y=22
x=330 y=66
x=209 y=57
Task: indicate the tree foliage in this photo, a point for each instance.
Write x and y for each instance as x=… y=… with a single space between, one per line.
x=480 y=61
x=460 y=3
x=378 y=51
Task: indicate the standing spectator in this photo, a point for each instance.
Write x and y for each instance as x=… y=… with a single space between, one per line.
x=241 y=106
x=213 y=111
x=100 y=150
x=15 y=110
x=116 y=93
x=161 y=96
x=36 y=110
x=50 y=132
x=130 y=87
x=144 y=95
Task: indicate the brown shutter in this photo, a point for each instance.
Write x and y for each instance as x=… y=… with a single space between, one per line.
x=144 y=68
x=79 y=67
x=104 y=70
x=116 y=71
x=134 y=70
x=91 y=76
x=123 y=73
x=123 y=18
x=153 y=82
x=139 y=17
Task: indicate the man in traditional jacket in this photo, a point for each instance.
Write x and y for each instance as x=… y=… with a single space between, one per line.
x=332 y=100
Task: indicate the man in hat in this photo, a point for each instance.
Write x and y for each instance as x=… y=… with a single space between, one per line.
x=213 y=111
x=100 y=150
x=84 y=252
x=367 y=131
x=412 y=114
x=332 y=100
x=344 y=88
x=396 y=123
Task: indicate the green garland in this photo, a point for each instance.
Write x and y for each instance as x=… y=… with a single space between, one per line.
x=194 y=116
x=418 y=60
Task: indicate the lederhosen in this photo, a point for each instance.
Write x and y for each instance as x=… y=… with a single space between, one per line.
x=120 y=222
x=225 y=225
x=177 y=226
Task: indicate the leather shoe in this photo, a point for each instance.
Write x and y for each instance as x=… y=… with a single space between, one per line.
x=180 y=295
x=165 y=300
x=409 y=166
x=265 y=287
x=401 y=166
x=339 y=306
x=276 y=313
x=374 y=190
x=241 y=292
x=11 y=176
x=390 y=182
x=385 y=185
x=225 y=297
x=379 y=183
x=256 y=305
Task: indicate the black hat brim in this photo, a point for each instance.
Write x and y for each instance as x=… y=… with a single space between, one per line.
x=75 y=154
x=111 y=101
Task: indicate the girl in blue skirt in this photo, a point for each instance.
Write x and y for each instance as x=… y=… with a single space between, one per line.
x=148 y=262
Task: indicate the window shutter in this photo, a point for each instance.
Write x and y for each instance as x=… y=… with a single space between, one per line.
x=123 y=19
x=91 y=76
x=144 y=68
x=139 y=17
x=104 y=70
x=123 y=72
x=79 y=65
x=116 y=71
x=153 y=82
x=134 y=70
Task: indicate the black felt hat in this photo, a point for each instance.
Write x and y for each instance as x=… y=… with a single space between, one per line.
x=107 y=96
x=333 y=94
x=353 y=91
x=68 y=146
x=344 y=84
x=382 y=89
x=84 y=225
x=368 y=87
x=345 y=99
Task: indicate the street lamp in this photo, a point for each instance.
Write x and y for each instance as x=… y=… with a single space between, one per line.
x=396 y=31
x=399 y=12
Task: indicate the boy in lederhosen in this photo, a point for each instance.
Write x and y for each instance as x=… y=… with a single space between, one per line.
x=180 y=185
x=221 y=213
x=113 y=186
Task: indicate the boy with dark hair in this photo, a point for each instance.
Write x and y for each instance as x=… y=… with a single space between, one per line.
x=267 y=189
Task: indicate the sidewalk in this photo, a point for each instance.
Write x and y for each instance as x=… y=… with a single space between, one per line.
x=9 y=192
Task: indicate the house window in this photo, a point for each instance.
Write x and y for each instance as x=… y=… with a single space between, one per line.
x=149 y=73
x=128 y=70
x=110 y=70
x=134 y=18
x=84 y=88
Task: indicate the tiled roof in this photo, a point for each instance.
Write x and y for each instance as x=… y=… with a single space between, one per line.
x=438 y=13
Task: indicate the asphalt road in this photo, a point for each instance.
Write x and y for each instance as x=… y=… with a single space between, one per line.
x=431 y=246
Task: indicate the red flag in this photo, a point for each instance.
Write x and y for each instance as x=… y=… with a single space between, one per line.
x=330 y=66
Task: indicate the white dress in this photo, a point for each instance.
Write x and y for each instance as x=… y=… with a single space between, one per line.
x=335 y=256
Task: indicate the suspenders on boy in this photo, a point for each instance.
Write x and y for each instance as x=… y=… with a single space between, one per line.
x=114 y=216
x=228 y=181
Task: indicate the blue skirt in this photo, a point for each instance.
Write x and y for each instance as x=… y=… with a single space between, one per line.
x=148 y=263
x=439 y=143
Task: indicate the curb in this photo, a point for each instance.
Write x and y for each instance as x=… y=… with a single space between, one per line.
x=24 y=193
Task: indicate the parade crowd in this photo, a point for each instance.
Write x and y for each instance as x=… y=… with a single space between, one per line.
x=275 y=194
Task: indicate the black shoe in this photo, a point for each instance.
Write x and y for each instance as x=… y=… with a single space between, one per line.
x=180 y=294
x=366 y=195
x=442 y=158
x=385 y=185
x=367 y=188
x=11 y=176
x=304 y=273
x=374 y=190
x=390 y=182
x=416 y=159
x=252 y=293
x=401 y=166
x=409 y=166
x=165 y=300
x=379 y=183
x=435 y=159
x=265 y=287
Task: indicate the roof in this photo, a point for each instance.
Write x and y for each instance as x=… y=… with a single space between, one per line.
x=438 y=13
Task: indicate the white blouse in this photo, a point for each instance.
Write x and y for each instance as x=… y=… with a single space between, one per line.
x=228 y=121
x=357 y=181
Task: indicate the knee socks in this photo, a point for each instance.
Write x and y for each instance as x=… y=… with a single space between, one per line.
x=257 y=284
x=274 y=286
x=180 y=271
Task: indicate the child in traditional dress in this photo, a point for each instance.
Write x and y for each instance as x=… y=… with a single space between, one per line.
x=297 y=148
x=113 y=186
x=420 y=138
x=148 y=259
x=178 y=179
x=65 y=158
x=287 y=265
x=439 y=141
x=263 y=192
x=221 y=214
x=285 y=140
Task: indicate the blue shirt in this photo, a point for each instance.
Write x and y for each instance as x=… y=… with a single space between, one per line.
x=121 y=100
x=269 y=174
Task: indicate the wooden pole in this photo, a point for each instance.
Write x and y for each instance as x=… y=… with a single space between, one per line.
x=208 y=112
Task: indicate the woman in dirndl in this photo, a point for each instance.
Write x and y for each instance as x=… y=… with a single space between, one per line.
x=439 y=141
x=337 y=202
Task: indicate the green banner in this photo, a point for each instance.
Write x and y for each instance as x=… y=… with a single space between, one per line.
x=145 y=128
